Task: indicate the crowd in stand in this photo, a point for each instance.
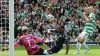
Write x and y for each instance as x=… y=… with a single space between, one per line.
x=4 y=19
x=40 y=15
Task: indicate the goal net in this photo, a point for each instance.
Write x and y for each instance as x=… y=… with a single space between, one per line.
x=6 y=28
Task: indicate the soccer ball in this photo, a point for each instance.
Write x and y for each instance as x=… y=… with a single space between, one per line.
x=50 y=17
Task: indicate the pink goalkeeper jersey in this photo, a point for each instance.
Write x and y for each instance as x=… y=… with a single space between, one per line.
x=29 y=43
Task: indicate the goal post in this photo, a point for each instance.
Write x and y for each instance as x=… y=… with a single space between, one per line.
x=11 y=27
x=6 y=27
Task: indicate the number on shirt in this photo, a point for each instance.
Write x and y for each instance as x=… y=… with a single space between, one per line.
x=28 y=40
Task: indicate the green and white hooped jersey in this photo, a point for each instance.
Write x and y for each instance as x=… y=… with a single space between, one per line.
x=89 y=25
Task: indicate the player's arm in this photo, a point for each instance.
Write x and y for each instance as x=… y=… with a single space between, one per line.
x=89 y=19
x=50 y=30
x=17 y=43
x=38 y=39
x=86 y=18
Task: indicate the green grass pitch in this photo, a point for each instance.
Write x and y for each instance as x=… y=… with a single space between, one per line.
x=94 y=51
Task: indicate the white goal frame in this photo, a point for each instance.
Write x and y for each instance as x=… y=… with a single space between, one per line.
x=11 y=27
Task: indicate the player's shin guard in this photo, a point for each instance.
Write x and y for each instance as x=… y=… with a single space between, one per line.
x=78 y=46
x=84 y=44
x=45 y=52
x=86 y=48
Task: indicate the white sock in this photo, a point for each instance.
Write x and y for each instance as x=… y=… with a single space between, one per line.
x=78 y=46
x=45 y=52
x=84 y=44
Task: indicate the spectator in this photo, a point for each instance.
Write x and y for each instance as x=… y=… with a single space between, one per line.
x=29 y=12
x=98 y=30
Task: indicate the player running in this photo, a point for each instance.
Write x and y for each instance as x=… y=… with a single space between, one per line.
x=29 y=42
x=61 y=38
x=87 y=30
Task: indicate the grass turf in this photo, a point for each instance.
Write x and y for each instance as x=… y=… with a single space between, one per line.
x=94 y=51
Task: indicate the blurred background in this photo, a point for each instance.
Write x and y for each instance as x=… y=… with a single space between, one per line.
x=40 y=15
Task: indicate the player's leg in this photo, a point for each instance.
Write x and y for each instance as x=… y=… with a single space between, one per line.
x=49 y=44
x=81 y=39
x=84 y=43
x=86 y=47
x=78 y=46
x=67 y=47
x=52 y=50
x=41 y=52
x=49 y=41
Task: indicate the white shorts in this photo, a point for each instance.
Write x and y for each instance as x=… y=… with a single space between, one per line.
x=49 y=40
x=84 y=35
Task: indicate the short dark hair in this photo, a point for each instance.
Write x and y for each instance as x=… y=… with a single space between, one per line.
x=25 y=30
